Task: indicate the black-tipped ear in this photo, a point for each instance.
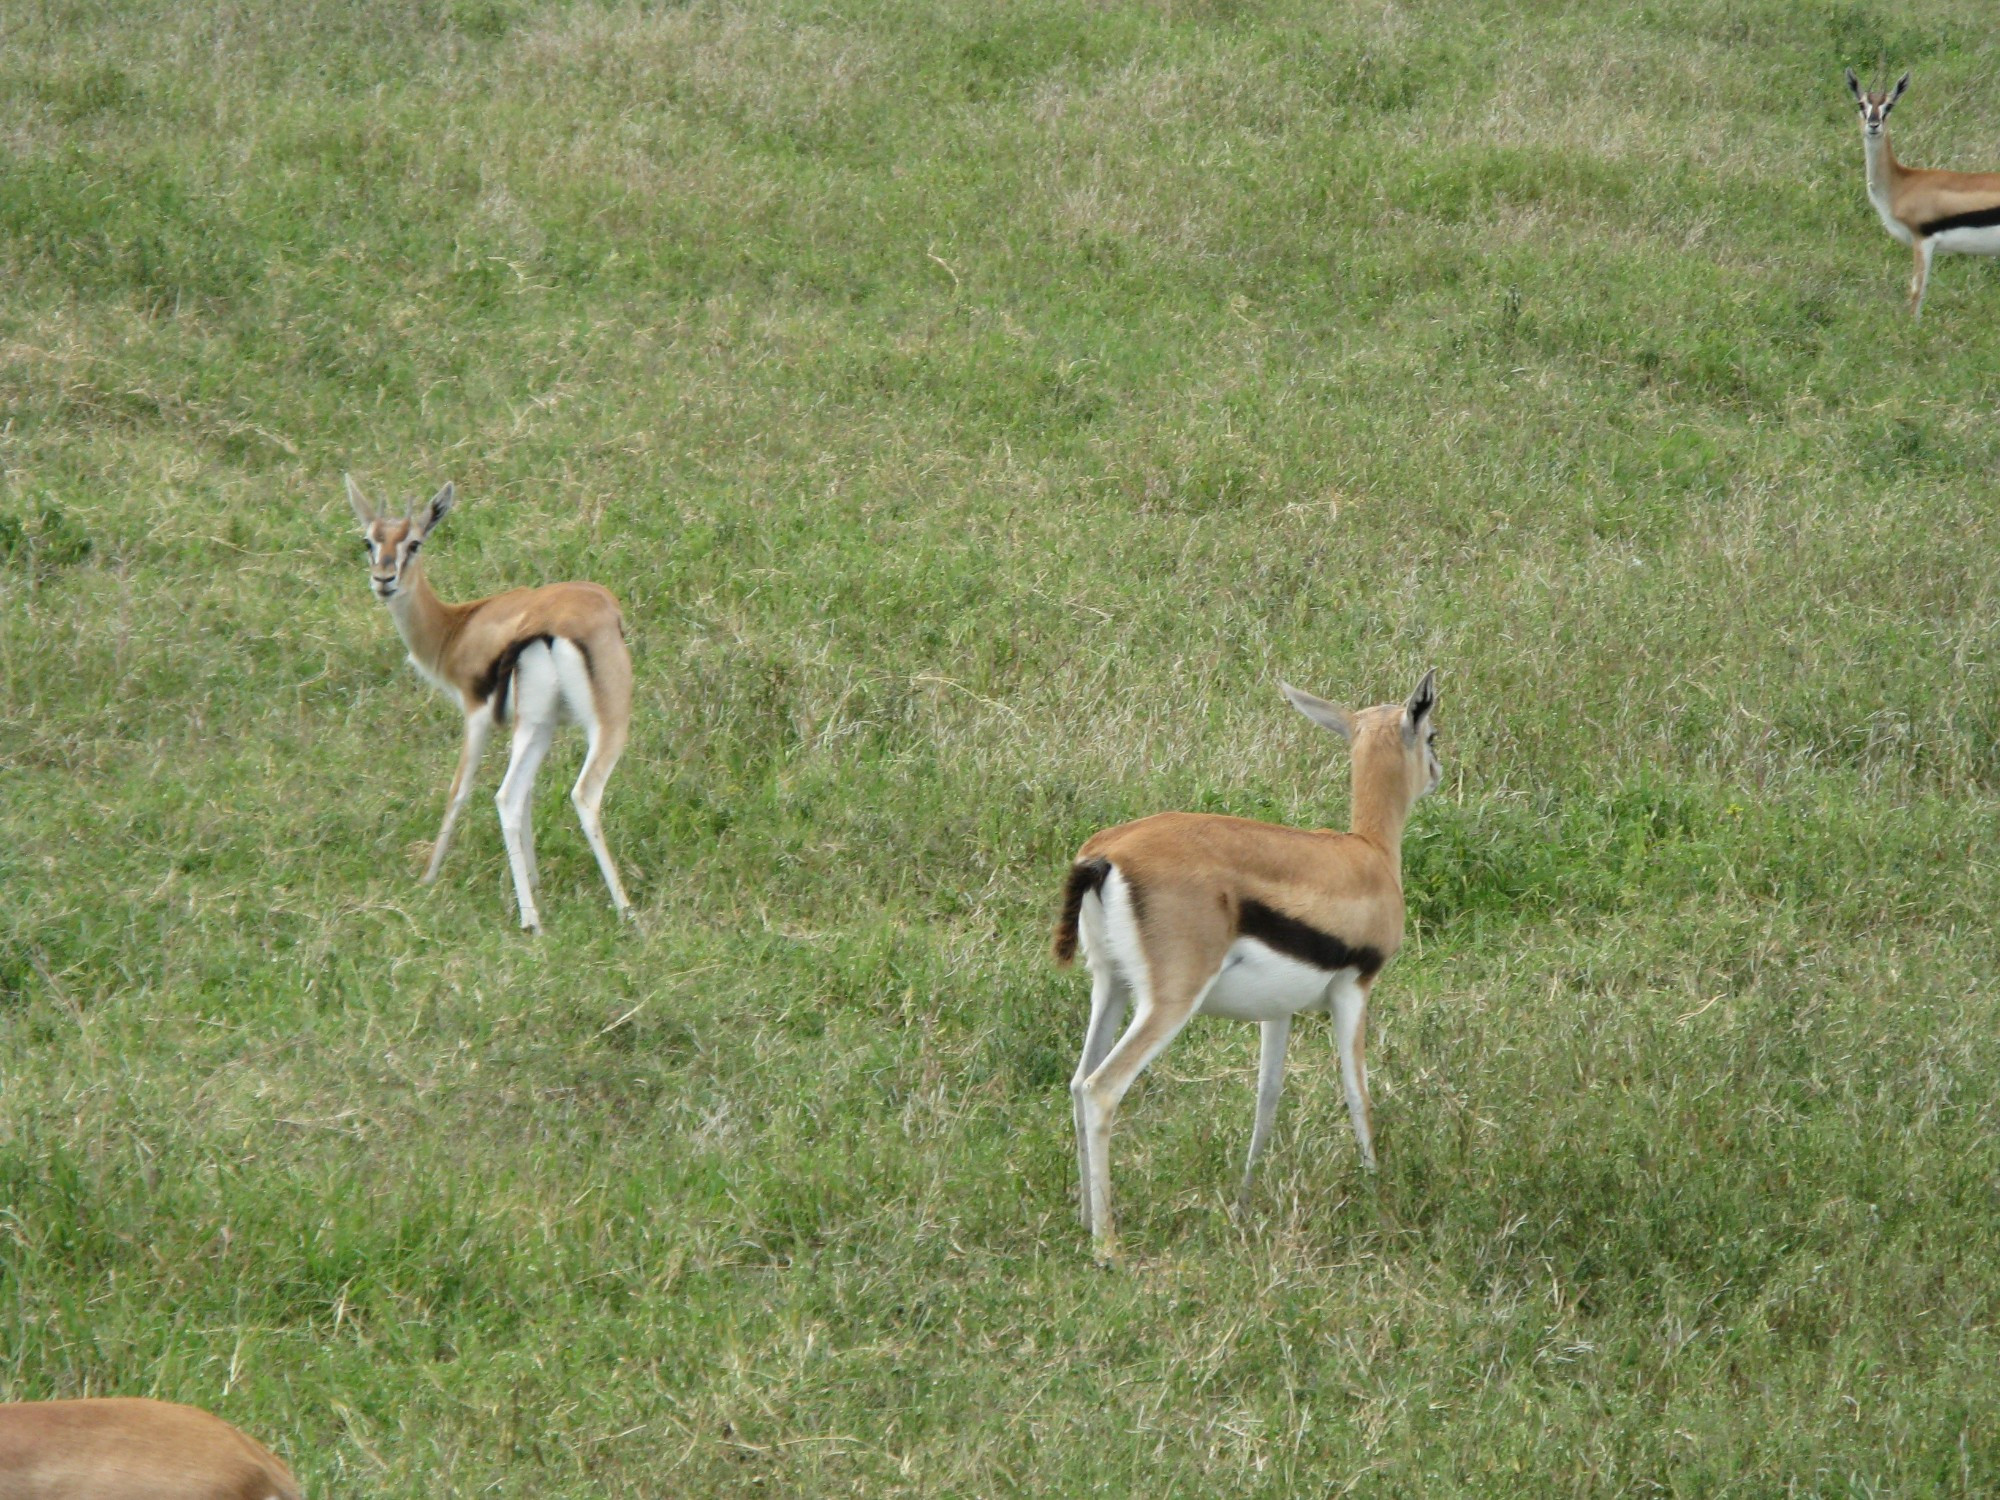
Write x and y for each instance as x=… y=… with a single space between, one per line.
x=363 y=511
x=1422 y=701
x=1901 y=84
x=1854 y=85
x=1321 y=712
x=437 y=510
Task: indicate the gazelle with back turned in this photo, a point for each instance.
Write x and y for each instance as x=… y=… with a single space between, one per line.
x=1956 y=212
x=532 y=658
x=1183 y=914
x=128 y=1448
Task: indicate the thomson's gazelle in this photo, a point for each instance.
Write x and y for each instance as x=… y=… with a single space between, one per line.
x=1928 y=211
x=128 y=1448
x=1186 y=913
x=533 y=658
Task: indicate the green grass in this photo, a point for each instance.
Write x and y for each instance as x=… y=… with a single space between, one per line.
x=978 y=407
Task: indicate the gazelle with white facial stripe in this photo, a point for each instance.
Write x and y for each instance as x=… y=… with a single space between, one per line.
x=1183 y=914
x=533 y=658
x=130 y=1448
x=1956 y=212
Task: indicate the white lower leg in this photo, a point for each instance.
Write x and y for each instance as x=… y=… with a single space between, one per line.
x=451 y=812
x=1096 y=1121
x=1350 y=1017
x=528 y=843
x=477 y=726
x=517 y=862
x=1107 y=1014
x=1145 y=1039
x=530 y=744
x=587 y=813
x=1270 y=1085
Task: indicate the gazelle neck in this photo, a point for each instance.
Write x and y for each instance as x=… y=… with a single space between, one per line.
x=1381 y=810
x=421 y=617
x=1883 y=168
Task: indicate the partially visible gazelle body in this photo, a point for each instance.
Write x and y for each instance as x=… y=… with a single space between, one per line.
x=534 y=658
x=1186 y=914
x=1930 y=211
x=124 y=1448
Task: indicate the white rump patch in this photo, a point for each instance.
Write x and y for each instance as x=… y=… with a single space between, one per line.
x=579 y=703
x=535 y=694
x=551 y=684
x=1109 y=926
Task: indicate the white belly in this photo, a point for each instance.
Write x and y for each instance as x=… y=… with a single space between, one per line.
x=1982 y=241
x=1258 y=983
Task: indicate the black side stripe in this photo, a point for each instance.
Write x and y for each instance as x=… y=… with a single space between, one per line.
x=498 y=678
x=1305 y=942
x=1978 y=218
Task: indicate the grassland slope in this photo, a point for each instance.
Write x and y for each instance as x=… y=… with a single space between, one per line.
x=978 y=407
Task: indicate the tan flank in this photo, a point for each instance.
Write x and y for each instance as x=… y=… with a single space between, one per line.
x=1187 y=913
x=534 y=658
x=1957 y=212
x=123 y=1448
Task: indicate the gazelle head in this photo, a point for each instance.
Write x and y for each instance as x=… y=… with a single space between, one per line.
x=392 y=541
x=1875 y=107
x=1395 y=744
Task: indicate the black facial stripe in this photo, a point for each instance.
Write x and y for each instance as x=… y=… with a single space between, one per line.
x=1305 y=942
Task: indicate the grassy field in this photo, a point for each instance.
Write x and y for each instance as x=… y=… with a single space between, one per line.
x=978 y=406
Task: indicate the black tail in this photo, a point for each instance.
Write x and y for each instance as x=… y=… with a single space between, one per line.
x=1085 y=876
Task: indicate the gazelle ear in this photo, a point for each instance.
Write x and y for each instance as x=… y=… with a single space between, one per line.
x=436 y=511
x=1901 y=84
x=1321 y=712
x=1422 y=701
x=1854 y=85
x=363 y=511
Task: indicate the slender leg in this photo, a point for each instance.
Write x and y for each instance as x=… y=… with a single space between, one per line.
x=531 y=743
x=1158 y=1021
x=478 y=724
x=528 y=843
x=1107 y=1014
x=587 y=796
x=1270 y=1084
x=1923 y=249
x=1350 y=1034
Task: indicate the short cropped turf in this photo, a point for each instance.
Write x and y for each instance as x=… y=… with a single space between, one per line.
x=978 y=406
